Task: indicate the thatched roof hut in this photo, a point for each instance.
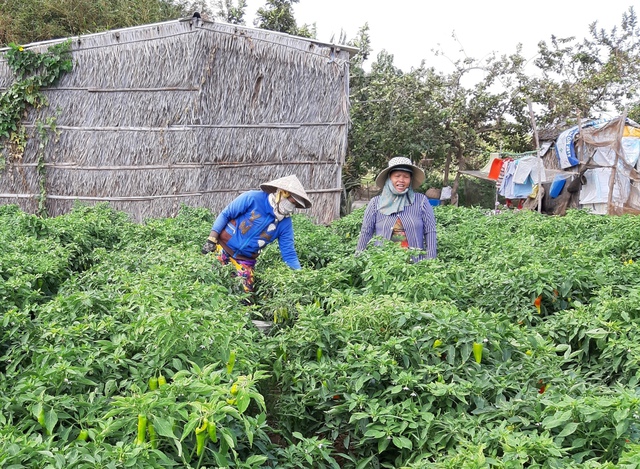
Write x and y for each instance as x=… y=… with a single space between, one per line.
x=187 y=112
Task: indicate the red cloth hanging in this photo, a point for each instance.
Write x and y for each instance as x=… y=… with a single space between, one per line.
x=496 y=166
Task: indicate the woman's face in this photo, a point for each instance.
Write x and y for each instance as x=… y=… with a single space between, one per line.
x=401 y=180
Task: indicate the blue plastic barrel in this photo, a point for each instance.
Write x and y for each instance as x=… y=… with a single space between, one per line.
x=556 y=186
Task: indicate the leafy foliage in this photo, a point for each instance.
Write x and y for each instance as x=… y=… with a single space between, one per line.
x=122 y=342
x=37 y=20
x=277 y=15
x=230 y=12
x=378 y=354
x=33 y=71
x=597 y=74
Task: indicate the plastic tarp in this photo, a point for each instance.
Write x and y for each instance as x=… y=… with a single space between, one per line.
x=596 y=189
x=565 y=148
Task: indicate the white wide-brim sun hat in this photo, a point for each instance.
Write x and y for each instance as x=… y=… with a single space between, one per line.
x=401 y=163
x=292 y=185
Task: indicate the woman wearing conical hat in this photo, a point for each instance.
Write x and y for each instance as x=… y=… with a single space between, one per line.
x=252 y=221
x=399 y=214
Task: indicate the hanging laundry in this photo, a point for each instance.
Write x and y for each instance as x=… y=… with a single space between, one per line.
x=496 y=166
x=503 y=172
x=529 y=166
x=522 y=191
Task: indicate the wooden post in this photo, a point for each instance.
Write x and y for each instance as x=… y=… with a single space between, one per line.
x=535 y=136
x=614 y=169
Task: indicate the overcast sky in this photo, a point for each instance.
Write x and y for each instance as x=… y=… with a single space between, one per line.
x=410 y=29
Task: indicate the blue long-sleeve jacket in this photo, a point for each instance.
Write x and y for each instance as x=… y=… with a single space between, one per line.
x=255 y=226
x=417 y=219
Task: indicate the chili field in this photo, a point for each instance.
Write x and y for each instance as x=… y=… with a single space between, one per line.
x=121 y=346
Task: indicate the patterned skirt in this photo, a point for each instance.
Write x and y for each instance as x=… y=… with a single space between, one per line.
x=244 y=269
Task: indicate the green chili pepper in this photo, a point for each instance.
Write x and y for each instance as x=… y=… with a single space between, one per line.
x=161 y=381
x=319 y=354
x=153 y=437
x=142 y=429
x=212 y=432
x=153 y=383
x=231 y=362
x=41 y=418
x=477 y=351
x=83 y=435
x=201 y=436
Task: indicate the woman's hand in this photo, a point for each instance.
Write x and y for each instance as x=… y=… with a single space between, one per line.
x=210 y=245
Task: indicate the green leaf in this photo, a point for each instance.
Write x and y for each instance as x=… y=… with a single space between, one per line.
x=402 y=442
x=163 y=427
x=598 y=333
x=255 y=460
x=374 y=433
x=242 y=401
x=569 y=429
x=51 y=419
x=383 y=443
x=556 y=420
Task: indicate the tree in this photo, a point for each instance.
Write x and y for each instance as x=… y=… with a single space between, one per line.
x=430 y=116
x=230 y=12
x=392 y=114
x=586 y=78
x=277 y=15
x=37 y=20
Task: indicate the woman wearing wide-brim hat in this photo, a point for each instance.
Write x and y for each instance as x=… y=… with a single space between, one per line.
x=252 y=221
x=399 y=213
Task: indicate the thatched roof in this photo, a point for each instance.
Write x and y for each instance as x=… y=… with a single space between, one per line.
x=188 y=111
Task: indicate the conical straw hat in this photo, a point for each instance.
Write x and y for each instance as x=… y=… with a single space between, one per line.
x=291 y=185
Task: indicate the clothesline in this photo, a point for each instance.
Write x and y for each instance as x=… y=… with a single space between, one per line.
x=517 y=155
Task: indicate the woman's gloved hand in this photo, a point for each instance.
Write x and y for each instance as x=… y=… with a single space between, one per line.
x=210 y=245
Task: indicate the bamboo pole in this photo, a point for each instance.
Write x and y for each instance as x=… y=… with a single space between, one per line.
x=221 y=165
x=535 y=136
x=185 y=128
x=138 y=198
x=614 y=169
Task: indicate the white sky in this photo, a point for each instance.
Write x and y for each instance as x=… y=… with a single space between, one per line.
x=410 y=29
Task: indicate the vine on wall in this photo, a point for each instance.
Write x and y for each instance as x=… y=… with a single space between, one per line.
x=33 y=71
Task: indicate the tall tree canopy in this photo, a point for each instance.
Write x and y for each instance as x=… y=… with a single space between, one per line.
x=599 y=73
x=36 y=20
x=277 y=15
x=231 y=12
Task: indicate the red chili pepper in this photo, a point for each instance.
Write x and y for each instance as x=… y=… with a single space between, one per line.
x=537 y=303
x=542 y=387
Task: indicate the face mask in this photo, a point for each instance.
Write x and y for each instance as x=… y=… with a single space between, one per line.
x=285 y=207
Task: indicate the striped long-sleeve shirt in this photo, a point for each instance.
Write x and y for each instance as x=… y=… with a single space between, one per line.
x=418 y=220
